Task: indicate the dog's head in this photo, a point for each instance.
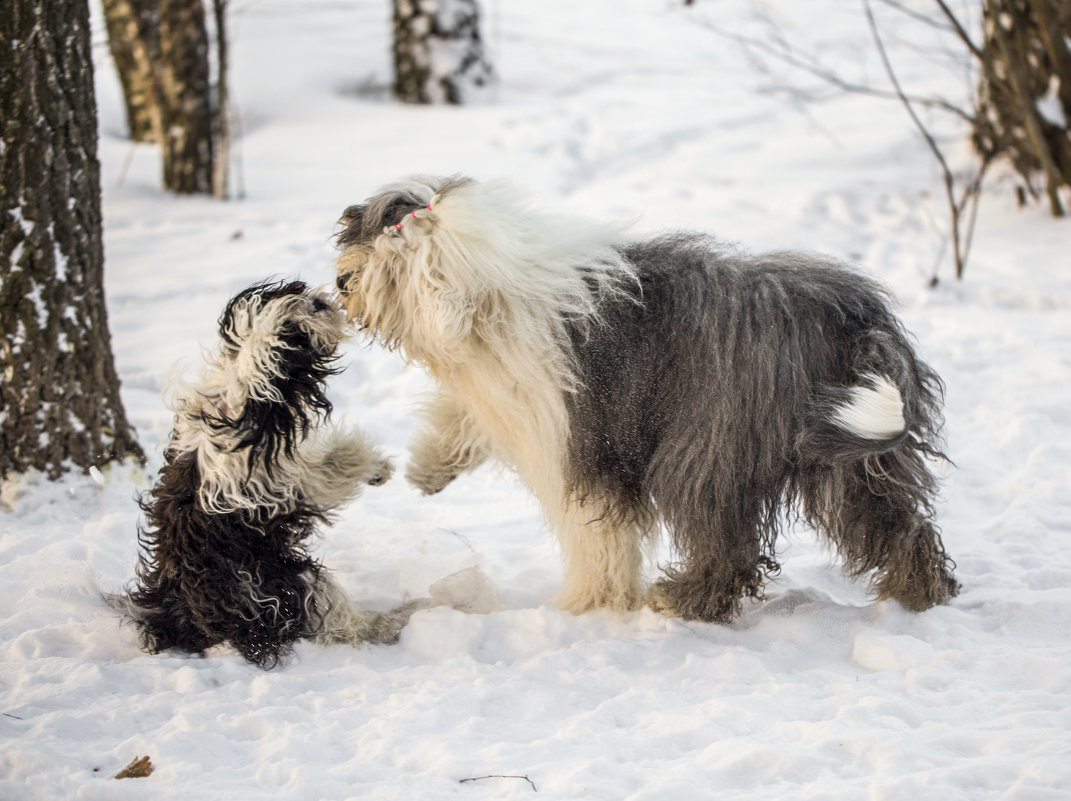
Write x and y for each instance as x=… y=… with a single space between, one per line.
x=279 y=345
x=445 y=268
x=391 y=272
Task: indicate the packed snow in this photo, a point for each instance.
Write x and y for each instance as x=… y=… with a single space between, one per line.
x=637 y=112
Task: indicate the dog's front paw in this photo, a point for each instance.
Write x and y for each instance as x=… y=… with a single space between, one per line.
x=429 y=482
x=381 y=473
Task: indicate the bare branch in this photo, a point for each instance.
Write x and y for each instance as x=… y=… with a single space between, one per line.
x=497 y=776
x=960 y=31
x=963 y=193
x=973 y=189
x=918 y=16
x=779 y=49
x=972 y=195
x=898 y=89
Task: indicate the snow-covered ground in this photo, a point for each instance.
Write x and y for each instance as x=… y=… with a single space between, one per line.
x=627 y=110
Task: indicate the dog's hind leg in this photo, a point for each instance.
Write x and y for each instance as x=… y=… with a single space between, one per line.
x=876 y=516
x=345 y=622
x=162 y=617
x=869 y=486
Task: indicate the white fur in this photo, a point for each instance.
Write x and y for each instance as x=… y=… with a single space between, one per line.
x=477 y=288
x=876 y=410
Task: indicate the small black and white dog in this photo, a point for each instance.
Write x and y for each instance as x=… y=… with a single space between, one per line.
x=674 y=381
x=248 y=475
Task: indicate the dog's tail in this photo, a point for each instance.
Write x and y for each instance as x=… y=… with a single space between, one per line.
x=873 y=410
x=887 y=404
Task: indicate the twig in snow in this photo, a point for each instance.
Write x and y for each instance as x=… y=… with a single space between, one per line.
x=497 y=776
x=464 y=540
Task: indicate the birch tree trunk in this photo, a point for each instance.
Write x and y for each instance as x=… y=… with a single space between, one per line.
x=160 y=49
x=438 y=54
x=135 y=48
x=185 y=97
x=59 y=391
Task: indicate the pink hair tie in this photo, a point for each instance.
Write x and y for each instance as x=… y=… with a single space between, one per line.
x=398 y=227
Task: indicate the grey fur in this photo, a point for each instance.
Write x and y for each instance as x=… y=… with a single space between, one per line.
x=706 y=400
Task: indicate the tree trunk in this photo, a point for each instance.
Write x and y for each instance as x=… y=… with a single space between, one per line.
x=135 y=48
x=59 y=392
x=1025 y=92
x=160 y=49
x=186 y=106
x=438 y=53
x=220 y=188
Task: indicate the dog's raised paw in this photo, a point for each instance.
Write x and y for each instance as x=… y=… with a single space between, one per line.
x=429 y=482
x=382 y=473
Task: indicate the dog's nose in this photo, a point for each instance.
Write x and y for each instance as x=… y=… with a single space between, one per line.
x=319 y=305
x=341 y=281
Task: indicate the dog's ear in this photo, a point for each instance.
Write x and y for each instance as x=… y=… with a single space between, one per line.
x=445 y=296
x=251 y=346
x=362 y=223
x=268 y=429
x=440 y=241
x=276 y=373
x=352 y=222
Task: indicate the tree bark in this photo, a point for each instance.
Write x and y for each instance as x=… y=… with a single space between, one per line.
x=1026 y=66
x=160 y=49
x=220 y=188
x=438 y=54
x=135 y=48
x=185 y=91
x=59 y=391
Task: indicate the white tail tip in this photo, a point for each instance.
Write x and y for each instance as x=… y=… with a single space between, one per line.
x=875 y=411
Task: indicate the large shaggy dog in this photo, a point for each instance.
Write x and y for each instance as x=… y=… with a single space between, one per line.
x=248 y=475
x=672 y=381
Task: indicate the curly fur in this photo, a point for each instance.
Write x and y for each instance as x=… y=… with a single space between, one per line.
x=674 y=381
x=249 y=474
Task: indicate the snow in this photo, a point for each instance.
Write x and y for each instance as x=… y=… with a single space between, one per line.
x=25 y=226
x=814 y=693
x=1049 y=106
x=468 y=590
